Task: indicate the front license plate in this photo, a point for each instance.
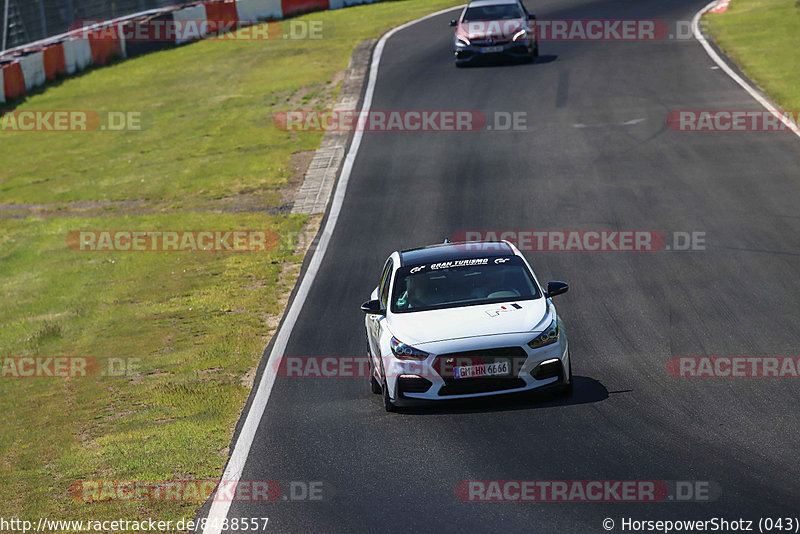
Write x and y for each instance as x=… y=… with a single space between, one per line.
x=484 y=369
x=491 y=49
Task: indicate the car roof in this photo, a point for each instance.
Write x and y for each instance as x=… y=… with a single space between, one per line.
x=481 y=3
x=455 y=251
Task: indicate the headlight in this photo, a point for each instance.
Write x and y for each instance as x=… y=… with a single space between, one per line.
x=406 y=352
x=548 y=337
x=462 y=41
x=518 y=35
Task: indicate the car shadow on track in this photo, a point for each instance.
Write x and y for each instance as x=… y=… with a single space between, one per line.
x=509 y=62
x=545 y=59
x=586 y=390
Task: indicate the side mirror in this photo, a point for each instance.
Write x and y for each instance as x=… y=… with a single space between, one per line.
x=453 y=22
x=373 y=307
x=531 y=16
x=556 y=288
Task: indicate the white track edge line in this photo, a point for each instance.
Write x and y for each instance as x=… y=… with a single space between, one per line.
x=233 y=471
x=730 y=72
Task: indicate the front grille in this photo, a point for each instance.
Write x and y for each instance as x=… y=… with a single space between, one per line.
x=445 y=364
x=490 y=43
x=519 y=49
x=468 y=386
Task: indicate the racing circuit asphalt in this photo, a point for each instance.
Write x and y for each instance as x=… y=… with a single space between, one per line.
x=627 y=313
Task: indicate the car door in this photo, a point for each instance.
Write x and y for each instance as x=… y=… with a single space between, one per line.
x=375 y=321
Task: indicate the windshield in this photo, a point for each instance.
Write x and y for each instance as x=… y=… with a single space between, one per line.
x=498 y=12
x=468 y=282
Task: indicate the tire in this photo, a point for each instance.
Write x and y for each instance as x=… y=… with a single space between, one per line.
x=388 y=405
x=534 y=53
x=567 y=389
x=374 y=385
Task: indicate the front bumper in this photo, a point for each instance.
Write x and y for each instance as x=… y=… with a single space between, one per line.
x=476 y=52
x=434 y=378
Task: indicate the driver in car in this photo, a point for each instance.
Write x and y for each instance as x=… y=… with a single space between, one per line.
x=418 y=293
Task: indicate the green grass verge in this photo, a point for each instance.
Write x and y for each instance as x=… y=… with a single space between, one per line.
x=763 y=38
x=207 y=158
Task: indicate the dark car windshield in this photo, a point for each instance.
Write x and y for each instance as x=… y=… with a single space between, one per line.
x=467 y=282
x=496 y=12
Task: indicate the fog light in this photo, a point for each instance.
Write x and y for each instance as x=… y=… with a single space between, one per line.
x=547 y=369
x=413 y=384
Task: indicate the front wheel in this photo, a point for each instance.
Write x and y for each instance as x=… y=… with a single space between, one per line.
x=374 y=385
x=388 y=405
x=567 y=389
x=534 y=51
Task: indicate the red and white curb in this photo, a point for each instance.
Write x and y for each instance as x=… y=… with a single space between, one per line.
x=720 y=7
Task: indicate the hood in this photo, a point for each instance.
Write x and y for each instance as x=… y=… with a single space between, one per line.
x=418 y=328
x=479 y=30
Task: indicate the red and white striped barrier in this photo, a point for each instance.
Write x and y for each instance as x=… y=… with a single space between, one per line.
x=13 y=81
x=259 y=9
x=222 y=12
x=188 y=16
x=104 y=49
x=74 y=51
x=298 y=7
x=77 y=55
x=54 y=61
x=119 y=27
x=33 y=70
x=339 y=4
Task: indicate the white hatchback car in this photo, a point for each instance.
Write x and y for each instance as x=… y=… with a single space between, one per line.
x=461 y=320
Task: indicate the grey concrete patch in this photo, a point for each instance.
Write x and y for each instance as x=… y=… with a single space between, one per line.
x=318 y=182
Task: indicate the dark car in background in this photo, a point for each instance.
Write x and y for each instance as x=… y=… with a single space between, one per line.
x=494 y=29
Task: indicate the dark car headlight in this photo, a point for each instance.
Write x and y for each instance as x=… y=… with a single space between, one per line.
x=406 y=352
x=548 y=337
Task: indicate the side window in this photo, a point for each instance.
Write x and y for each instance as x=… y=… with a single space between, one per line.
x=383 y=292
